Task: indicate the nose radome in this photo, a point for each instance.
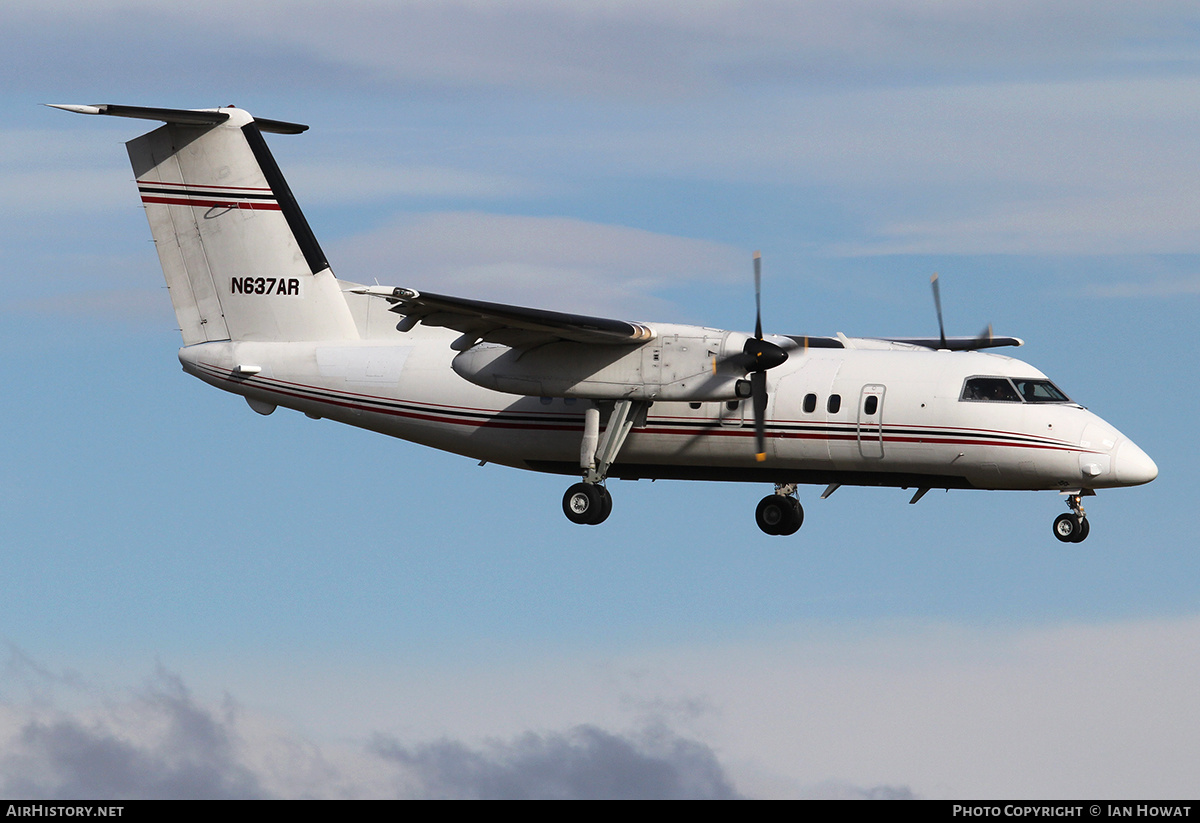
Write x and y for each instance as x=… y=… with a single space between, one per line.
x=1134 y=467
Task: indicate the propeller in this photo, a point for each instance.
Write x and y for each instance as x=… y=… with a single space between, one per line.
x=937 y=302
x=760 y=355
x=982 y=341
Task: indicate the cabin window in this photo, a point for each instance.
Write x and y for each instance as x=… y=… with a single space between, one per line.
x=693 y=405
x=835 y=404
x=871 y=405
x=810 y=403
x=990 y=389
x=732 y=405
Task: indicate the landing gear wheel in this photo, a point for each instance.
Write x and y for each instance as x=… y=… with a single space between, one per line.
x=777 y=514
x=1070 y=528
x=587 y=504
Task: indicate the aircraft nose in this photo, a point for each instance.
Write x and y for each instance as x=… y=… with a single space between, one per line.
x=1134 y=467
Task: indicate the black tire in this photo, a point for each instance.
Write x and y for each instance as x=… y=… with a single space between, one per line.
x=795 y=517
x=1067 y=528
x=584 y=504
x=1082 y=533
x=605 y=506
x=773 y=514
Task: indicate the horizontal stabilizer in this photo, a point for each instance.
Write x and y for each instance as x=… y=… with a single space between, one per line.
x=180 y=117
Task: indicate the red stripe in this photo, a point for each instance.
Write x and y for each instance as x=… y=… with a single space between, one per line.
x=167 y=200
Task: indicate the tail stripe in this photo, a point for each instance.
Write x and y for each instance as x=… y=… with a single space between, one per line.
x=181 y=194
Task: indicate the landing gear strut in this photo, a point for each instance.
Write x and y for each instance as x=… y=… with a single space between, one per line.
x=780 y=513
x=1072 y=527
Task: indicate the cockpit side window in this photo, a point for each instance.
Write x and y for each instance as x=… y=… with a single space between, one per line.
x=990 y=389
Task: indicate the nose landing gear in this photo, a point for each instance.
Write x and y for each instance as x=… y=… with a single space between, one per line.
x=780 y=513
x=1072 y=527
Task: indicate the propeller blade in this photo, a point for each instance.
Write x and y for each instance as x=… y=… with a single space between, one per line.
x=758 y=394
x=758 y=295
x=757 y=356
x=937 y=302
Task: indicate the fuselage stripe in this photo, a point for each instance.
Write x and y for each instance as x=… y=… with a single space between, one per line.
x=554 y=421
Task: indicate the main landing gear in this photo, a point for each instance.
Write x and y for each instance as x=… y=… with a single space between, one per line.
x=589 y=503
x=1072 y=527
x=780 y=513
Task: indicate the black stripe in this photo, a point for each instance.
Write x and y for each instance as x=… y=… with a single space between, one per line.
x=194 y=192
x=287 y=203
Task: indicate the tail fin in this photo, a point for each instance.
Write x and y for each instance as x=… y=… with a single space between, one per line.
x=240 y=259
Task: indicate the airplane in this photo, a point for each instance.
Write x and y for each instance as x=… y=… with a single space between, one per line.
x=263 y=316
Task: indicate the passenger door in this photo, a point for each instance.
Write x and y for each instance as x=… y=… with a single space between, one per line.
x=870 y=421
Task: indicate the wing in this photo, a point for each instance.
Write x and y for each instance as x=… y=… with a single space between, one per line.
x=514 y=326
x=950 y=343
x=959 y=343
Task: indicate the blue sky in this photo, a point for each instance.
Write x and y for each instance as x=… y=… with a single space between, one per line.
x=202 y=600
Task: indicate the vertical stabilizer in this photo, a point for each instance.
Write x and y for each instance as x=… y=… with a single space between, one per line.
x=240 y=259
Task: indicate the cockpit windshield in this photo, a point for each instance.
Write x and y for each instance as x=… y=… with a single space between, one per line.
x=1040 y=391
x=1005 y=390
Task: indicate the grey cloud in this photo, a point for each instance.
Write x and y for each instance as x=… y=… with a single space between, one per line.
x=191 y=753
x=162 y=743
x=585 y=762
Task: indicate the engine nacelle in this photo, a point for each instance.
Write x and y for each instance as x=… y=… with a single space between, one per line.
x=682 y=363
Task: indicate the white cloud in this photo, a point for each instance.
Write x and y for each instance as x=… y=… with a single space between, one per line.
x=942 y=127
x=547 y=262
x=43 y=171
x=1163 y=222
x=648 y=51
x=1157 y=287
x=356 y=183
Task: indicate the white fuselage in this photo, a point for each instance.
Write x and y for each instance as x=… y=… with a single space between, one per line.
x=917 y=431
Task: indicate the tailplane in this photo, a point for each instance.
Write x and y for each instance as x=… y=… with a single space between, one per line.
x=240 y=260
